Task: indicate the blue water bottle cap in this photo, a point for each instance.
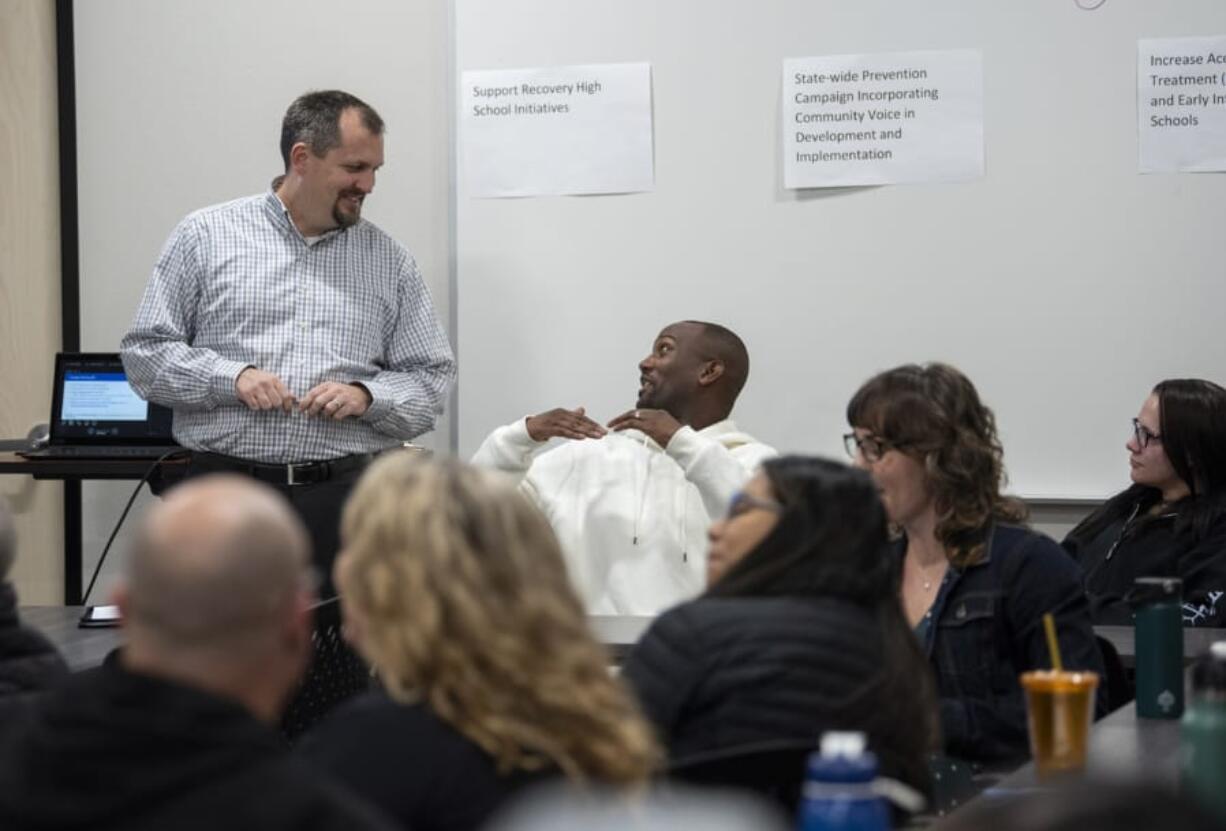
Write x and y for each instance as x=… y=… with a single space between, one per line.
x=843 y=758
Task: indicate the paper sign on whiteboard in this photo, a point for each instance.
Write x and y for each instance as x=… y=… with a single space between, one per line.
x=557 y=130
x=882 y=119
x=1181 y=104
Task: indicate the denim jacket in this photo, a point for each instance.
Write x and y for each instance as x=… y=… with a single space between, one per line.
x=986 y=628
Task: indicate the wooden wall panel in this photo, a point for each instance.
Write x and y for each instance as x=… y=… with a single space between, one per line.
x=30 y=278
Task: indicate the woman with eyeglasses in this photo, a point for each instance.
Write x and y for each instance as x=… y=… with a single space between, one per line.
x=974 y=583
x=798 y=632
x=1172 y=521
x=454 y=590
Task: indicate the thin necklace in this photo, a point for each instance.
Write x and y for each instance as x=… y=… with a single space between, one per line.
x=926 y=580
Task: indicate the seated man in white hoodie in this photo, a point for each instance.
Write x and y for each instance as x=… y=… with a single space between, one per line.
x=631 y=504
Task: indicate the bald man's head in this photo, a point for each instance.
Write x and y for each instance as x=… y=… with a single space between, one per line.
x=722 y=344
x=218 y=564
x=695 y=371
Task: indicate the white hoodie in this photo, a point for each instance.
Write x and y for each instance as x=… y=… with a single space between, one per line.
x=631 y=517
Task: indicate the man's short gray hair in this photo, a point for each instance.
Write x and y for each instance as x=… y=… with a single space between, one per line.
x=314 y=119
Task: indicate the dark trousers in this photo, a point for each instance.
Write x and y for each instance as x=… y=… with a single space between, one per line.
x=318 y=505
x=336 y=672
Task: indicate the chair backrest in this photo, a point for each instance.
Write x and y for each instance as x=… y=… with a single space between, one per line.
x=1119 y=689
x=336 y=673
x=775 y=769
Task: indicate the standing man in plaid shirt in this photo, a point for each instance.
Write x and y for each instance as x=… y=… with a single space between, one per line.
x=293 y=339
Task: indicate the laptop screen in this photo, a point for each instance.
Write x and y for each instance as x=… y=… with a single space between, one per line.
x=94 y=404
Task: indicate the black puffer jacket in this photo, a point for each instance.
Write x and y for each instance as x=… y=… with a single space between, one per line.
x=1125 y=540
x=721 y=673
x=28 y=661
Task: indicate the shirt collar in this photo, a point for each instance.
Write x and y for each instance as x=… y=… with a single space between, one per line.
x=277 y=210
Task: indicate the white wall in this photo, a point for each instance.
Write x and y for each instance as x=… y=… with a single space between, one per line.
x=1063 y=283
x=29 y=281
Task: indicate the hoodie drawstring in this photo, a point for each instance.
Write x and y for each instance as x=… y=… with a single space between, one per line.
x=640 y=491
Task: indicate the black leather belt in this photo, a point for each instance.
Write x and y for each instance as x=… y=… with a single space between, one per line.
x=297 y=473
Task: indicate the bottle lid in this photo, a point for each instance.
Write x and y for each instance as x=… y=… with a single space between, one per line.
x=840 y=743
x=843 y=758
x=1209 y=671
x=1147 y=590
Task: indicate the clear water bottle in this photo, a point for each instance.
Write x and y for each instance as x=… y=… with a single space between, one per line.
x=1157 y=602
x=838 y=793
x=1202 y=758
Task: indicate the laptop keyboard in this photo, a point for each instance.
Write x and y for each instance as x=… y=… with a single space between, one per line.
x=111 y=452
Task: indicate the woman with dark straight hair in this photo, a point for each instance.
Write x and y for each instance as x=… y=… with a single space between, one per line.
x=1172 y=521
x=975 y=584
x=799 y=632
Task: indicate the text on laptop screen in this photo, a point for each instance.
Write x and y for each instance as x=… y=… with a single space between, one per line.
x=91 y=397
x=95 y=404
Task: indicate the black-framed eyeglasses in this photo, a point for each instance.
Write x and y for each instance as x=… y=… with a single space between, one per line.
x=871 y=447
x=1143 y=434
x=743 y=503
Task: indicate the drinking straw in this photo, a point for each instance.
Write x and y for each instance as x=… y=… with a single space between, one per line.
x=1053 y=647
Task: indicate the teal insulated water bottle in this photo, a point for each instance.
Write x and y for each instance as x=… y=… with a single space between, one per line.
x=1157 y=602
x=1202 y=758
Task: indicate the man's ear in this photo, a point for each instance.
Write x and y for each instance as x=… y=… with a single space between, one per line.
x=711 y=372
x=298 y=155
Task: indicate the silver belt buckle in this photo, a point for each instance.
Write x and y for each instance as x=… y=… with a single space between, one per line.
x=289 y=474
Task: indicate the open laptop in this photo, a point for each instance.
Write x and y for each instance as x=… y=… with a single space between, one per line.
x=95 y=413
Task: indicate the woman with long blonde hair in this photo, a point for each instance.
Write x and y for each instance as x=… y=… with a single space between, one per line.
x=454 y=590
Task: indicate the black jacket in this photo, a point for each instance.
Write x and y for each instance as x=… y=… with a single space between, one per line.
x=1138 y=544
x=412 y=765
x=111 y=749
x=987 y=628
x=28 y=661
x=721 y=673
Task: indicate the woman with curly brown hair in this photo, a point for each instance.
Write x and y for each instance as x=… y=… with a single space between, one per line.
x=454 y=590
x=974 y=582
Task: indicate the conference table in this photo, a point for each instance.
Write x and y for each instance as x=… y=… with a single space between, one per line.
x=86 y=647
x=1122 y=748
x=1195 y=641
x=83 y=648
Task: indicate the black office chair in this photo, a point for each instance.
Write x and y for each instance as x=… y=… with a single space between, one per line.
x=771 y=769
x=336 y=673
x=1117 y=684
x=954 y=783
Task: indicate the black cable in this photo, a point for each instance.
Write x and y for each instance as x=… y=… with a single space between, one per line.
x=107 y=548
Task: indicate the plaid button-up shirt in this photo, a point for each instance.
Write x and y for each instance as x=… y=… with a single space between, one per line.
x=237 y=285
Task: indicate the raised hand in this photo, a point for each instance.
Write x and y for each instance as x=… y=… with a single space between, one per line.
x=563 y=423
x=658 y=424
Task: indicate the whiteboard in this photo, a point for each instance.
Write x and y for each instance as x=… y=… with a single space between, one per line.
x=1063 y=283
